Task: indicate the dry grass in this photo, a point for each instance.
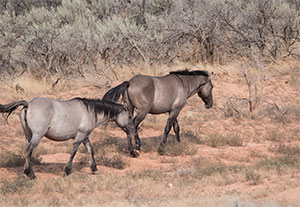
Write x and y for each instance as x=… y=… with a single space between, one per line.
x=218 y=140
x=115 y=161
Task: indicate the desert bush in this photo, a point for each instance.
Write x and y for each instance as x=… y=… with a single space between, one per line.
x=266 y=26
x=74 y=37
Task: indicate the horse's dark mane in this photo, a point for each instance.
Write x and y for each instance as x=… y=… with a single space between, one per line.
x=190 y=72
x=109 y=108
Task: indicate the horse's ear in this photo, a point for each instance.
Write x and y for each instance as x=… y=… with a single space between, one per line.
x=211 y=76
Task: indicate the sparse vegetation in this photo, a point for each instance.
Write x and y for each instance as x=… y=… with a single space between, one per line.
x=18 y=185
x=218 y=140
x=287 y=157
x=252 y=177
x=115 y=161
x=176 y=149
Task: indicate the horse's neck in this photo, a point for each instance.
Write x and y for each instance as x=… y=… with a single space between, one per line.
x=193 y=83
x=100 y=119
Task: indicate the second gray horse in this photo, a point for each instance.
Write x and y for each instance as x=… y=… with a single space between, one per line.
x=166 y=94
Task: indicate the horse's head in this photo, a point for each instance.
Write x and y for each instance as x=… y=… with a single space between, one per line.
x=205 y=92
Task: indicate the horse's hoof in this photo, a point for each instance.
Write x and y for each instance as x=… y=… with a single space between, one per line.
x=161 y=150
x=137 y=152
x=30 y=174
x=94 y=169
x=67 y=171
x=134 y=153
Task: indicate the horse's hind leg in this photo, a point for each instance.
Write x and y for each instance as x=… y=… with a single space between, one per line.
x=31 y=143
x=35 y=140
x=176 y=129
x=89 y=147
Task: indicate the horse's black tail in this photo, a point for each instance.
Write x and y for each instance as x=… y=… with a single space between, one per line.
x=11 y=107
x=115 y=93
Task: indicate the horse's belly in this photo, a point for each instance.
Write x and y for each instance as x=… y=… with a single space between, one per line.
x=158 y=109
x=60 y=135
x=63 y=130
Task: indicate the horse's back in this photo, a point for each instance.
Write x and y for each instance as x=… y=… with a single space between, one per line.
x=69 y=117
x=141 y=90
x=155 y=93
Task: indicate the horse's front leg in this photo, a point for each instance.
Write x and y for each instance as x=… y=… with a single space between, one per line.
x=161 y=149
x=77 y=141
x=131 y=132
x=172 y=118
x=125 y=122
x=89 y=147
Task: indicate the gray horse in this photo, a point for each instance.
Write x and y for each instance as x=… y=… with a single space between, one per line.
x=63 y=120
x=156 y=95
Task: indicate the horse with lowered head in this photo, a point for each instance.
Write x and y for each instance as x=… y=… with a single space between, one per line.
x=63 y=120
x=166 y=94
